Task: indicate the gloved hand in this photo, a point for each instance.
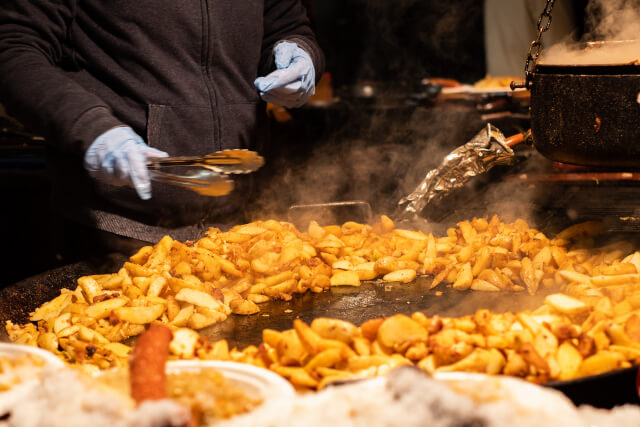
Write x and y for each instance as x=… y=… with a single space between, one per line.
x=293 y=82
x=118 y=157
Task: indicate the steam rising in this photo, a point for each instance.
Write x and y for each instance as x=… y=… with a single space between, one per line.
x=615 y=22
x=383 y=171
x=379 y=164
x=381 y=157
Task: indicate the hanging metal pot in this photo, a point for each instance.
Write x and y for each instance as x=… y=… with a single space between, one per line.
x=587 y=115
x=584 y=114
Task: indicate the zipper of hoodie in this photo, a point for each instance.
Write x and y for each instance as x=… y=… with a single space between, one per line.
x=205 y=60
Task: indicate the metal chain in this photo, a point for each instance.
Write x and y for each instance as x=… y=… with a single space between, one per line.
x=544 y=23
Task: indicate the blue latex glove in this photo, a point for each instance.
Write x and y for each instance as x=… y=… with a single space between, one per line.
x=118 y=157
x=293 y=82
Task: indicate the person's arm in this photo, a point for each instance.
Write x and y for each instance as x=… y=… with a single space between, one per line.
x=33 y=87
x=286 y=20
x=292 y=61
x=38 y=93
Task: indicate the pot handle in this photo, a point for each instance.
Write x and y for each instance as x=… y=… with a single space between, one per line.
x=518 y=138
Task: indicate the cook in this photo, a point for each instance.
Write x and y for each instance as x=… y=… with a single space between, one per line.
x=112 y=84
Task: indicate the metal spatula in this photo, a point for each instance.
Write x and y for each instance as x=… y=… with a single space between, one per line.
x=331 y=213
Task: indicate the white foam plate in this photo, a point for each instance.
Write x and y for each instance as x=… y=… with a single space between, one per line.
x=529 y=398
x=526 y=396
x=15 y=350
x=276 y=393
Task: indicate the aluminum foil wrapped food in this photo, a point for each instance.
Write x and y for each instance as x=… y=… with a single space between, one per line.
x=484 y=151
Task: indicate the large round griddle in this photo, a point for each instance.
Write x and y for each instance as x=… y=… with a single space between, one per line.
x=354 y=304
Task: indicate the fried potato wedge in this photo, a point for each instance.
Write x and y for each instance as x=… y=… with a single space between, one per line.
x=139 y=315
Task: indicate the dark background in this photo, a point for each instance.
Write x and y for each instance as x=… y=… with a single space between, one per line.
x=400 y=40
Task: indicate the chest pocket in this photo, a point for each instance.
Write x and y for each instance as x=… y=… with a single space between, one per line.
x=181 y=130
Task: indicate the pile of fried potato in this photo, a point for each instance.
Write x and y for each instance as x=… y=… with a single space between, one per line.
x=594 y=326
x=564 y=339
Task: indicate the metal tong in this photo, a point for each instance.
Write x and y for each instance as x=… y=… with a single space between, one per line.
x=210 y=176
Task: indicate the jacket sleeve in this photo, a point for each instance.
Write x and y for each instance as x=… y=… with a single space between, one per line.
x=34 y=88
x=286 y=20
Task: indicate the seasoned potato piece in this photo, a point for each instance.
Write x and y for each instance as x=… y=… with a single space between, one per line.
x=480 y=360
x=298 y=376
x=386 y=223
x=366 y=271
x=399 y=332
x=386 y=265
x=142 y=255
x=600 y=362
x=52 y=308
x=139 y=315
x=335 y=329
x=370 y=328
x=200 y=320
x=290 y=349
x=311 y=341
x=271 y=337
x=198 y=298
x=483 y=285
x=183 y=343
x=90 y=287
x=569 y=359
x=183 y=316
x=345 y=278
x=48 y=341
x=402 y=276
x=464 y=278
x=102 y=309
x=243 y=306
x=325 y=359
x=566 y=304
x=584 y=229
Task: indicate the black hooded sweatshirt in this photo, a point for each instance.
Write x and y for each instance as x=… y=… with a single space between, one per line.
x=180 y=73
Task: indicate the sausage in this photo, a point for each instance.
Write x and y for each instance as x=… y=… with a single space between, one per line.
x=147 y=369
